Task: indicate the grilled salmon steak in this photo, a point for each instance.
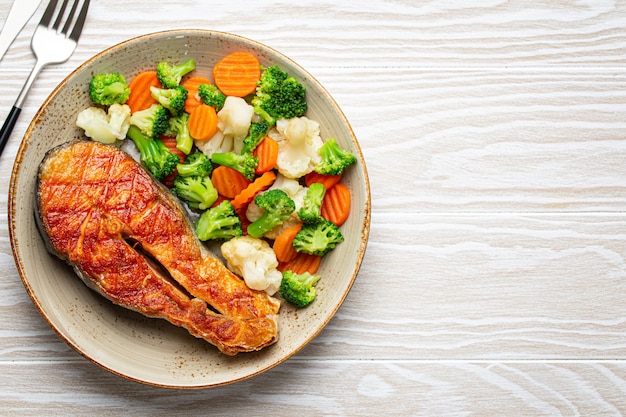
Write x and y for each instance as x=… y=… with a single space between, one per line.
x=129 y=239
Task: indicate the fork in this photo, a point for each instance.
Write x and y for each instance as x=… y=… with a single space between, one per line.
x=53 y=42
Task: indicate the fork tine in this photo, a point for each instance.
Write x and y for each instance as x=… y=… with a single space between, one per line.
x=59 y=18
x=80 y=21
x=70 y=18
x=47 y=15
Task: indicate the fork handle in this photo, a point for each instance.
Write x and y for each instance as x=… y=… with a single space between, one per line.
x=9 y=123
x=8 y=126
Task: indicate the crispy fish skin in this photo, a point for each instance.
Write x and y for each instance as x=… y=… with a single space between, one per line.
x=120 y=229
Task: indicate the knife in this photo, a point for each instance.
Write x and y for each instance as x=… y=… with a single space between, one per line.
x=21 y=12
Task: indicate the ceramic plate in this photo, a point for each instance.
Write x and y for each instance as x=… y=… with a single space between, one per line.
x=152 y=351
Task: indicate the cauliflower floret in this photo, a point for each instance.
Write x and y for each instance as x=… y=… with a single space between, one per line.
x=292 y=187
x=255 y=261
x=102 y=126
x=298 y=129
x=218 y=143
x=234 y=120
x=294 y=190
x=298 y=142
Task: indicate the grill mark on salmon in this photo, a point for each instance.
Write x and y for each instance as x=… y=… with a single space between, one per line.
x=128 y=238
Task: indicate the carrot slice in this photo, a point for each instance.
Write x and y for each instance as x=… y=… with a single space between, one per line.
x=247 y=194
x=241 y=212
x=202 y=122
x=283 y=244
x=237 y=74
x=140 y=97
x=328 y=181
x=191 y=84
x=336 y=204
x=228 y=181
x=220 y=198
x=170 y=143
x=267 y=154
x=303 y=262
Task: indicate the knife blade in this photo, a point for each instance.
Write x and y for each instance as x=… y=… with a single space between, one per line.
x=21 y=11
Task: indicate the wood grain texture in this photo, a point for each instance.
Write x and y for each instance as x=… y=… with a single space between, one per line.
x=495 y=274
x=489 y=139
x=381 y=33
x=348 y=388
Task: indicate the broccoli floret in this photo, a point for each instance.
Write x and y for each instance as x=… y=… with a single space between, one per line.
x=278 y=95
x=170 y=75
x=172 y=99
x=245 y=163
x=154 y=155
x=198 y=192
x=276 y=206
x=152 y=122
x=256 y=134
x=334 y=158
x=211 y=95
x=318 y=239
x=108 y=88
x=298 y=289
x=195 y=164
x=219 y=222
x=179 y=126
x=310 y=212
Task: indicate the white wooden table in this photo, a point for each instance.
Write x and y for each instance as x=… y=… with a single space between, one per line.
x=494 y=280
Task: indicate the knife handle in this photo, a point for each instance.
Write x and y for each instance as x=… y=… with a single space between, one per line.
x=8 y=126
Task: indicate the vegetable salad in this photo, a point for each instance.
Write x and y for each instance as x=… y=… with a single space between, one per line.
x=237 y=148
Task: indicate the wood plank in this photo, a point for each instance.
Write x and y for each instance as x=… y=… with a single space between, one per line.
x=474 y=140
x=348 y=388
x=489 y=140
x=379 y=33
x=505 y=286
x=486 y=286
